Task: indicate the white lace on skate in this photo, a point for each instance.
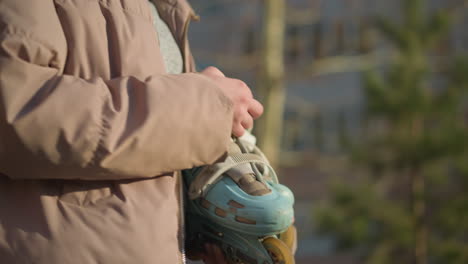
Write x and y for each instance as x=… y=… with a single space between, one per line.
x=245 y=164
x=244 y=175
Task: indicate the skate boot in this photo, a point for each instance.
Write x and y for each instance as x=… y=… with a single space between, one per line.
x=239 y=206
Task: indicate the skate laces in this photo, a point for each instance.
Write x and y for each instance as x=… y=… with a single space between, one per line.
x=245 y=164
x=244 y=174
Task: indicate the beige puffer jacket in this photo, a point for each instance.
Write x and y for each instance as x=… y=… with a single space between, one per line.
x=92 y=130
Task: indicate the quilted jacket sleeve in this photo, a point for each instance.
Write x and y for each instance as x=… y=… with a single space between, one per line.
x=54 y=125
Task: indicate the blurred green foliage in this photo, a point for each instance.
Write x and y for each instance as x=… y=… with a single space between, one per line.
x=412 y=204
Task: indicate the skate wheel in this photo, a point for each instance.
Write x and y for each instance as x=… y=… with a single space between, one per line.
x=289 y=237
x=278 y=250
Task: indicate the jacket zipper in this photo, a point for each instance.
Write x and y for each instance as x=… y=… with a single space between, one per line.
x=181 y=183
x=182 y=217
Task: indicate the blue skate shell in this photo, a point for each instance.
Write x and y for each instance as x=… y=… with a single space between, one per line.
x=228 y=205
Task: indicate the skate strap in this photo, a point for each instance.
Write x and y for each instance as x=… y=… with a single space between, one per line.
x=211 y=174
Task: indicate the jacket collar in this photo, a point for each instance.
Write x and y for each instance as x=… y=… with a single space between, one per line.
x=181 y=4
x=175 y=13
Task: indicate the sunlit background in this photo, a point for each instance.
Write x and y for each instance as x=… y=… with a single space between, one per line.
x=372 y=125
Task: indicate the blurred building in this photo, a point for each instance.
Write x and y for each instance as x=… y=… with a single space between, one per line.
x=329 y=44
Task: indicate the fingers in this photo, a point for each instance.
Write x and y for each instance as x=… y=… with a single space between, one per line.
x=246 y=108
x=245 y=119
x=247 y=122
x=214 y=255
x=242 y=121
x=238 y=130
x=255 y=109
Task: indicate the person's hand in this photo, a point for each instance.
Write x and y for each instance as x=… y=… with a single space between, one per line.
x=246 y=108
x=213 y=255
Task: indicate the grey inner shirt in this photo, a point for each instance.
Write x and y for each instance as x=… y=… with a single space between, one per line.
x=169 y=49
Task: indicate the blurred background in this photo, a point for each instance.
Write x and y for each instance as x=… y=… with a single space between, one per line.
x=365 y=118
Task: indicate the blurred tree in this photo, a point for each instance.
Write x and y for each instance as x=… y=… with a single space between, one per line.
x=412 y=207
x=271 y=80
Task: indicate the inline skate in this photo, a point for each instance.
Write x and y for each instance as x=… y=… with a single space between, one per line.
x=238 y=205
